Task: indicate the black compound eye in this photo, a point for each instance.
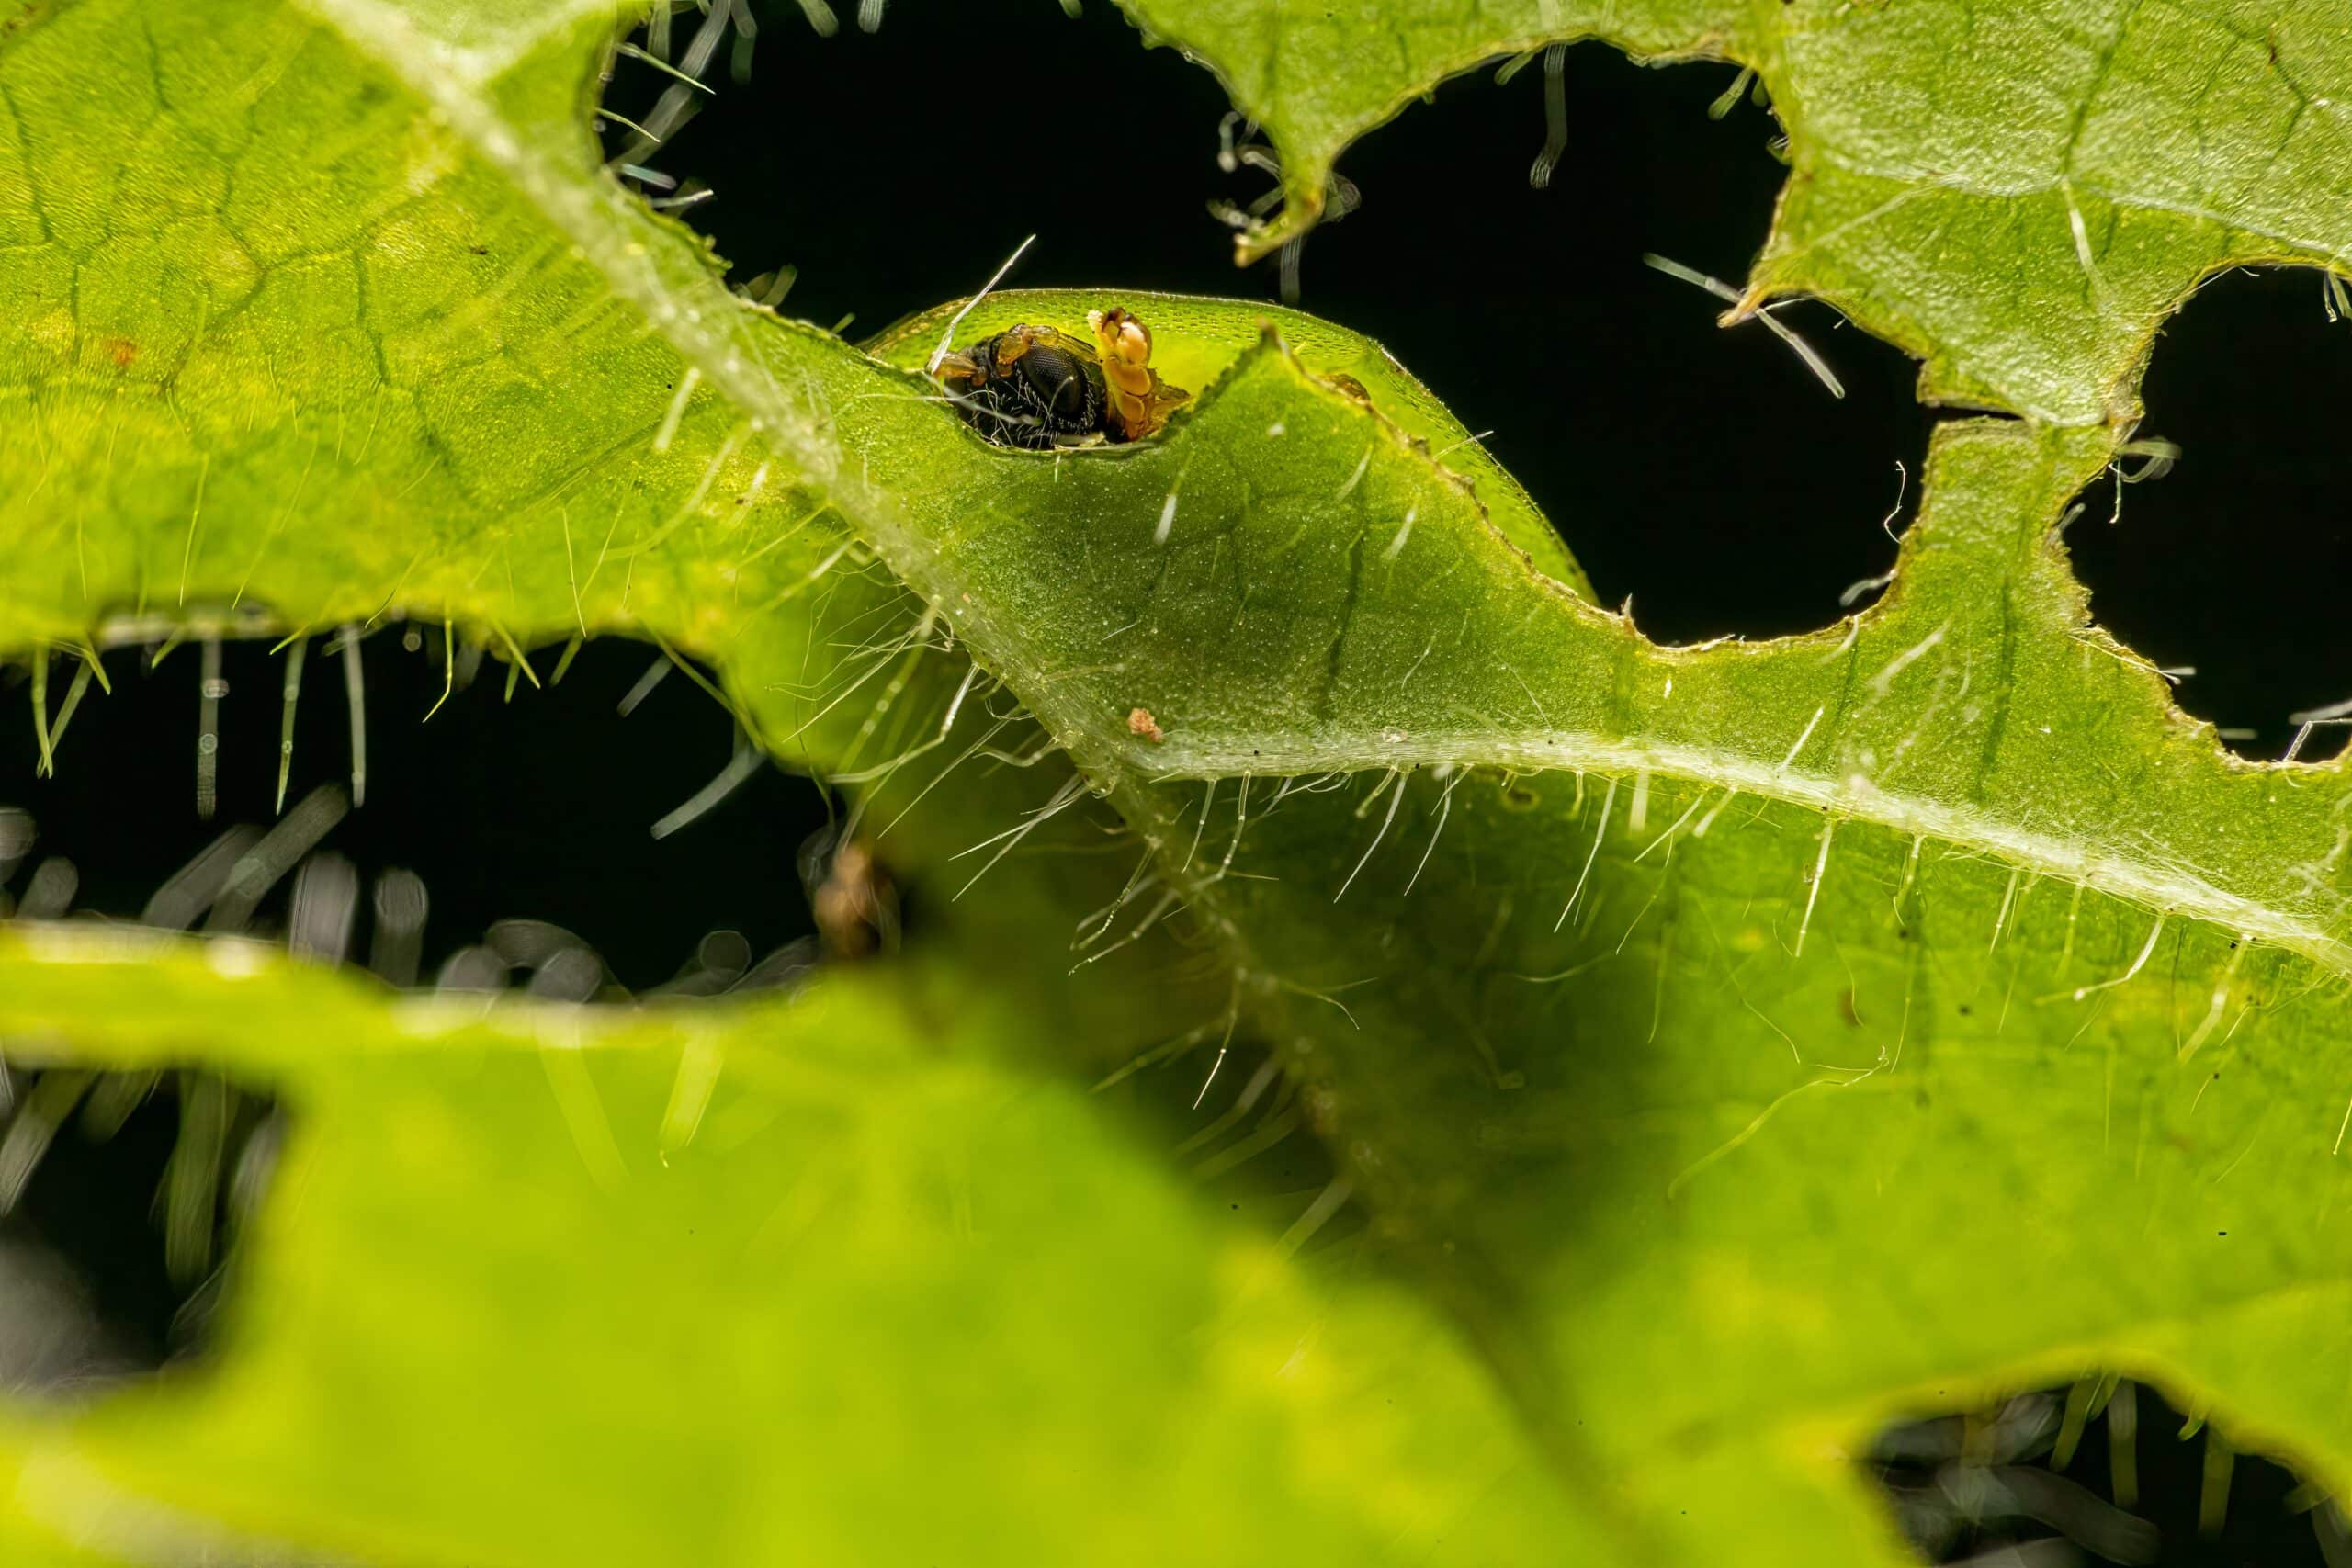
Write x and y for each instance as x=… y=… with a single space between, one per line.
x=1058 y=378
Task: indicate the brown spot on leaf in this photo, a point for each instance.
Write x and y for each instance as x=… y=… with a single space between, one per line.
x=123 y=351
x=1140 y=722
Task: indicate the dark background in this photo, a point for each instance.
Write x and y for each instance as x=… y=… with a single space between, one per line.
x=1702 y=473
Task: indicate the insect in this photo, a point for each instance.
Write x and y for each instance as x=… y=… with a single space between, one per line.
x=1141 y=401
x=1040 y=388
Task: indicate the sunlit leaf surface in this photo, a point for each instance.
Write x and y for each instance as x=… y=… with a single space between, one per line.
x=1728 y=1046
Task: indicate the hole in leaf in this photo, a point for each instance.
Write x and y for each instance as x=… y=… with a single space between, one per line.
x=124 y=1193
x=2104 y=1470
x=2233 y=564
x=120 y=1194
x=536 y=812
x=1703 y=471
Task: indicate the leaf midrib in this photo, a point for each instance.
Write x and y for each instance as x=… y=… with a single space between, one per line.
x=593 y=219
x=2168 y=891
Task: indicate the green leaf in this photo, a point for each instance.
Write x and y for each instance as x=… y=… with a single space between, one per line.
x=806 y=1280
x=2019 y=194
x=1737 y=1044
x=367 y=374
x=1197 y=341
x=1664 y=1000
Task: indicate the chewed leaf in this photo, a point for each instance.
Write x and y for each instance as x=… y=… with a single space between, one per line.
x=1198 y=341
x=2019 y=197
x=1728 y=1042
x=1316 y=77
x=553 y=1285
